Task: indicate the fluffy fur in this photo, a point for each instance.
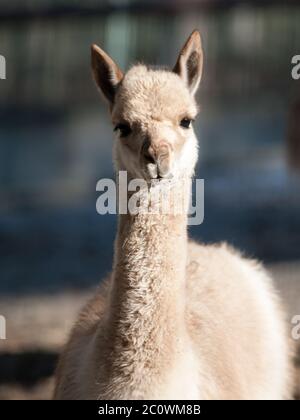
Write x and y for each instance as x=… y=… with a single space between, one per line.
x=175 y=319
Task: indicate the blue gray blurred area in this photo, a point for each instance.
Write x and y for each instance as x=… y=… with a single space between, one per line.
x=56 y=139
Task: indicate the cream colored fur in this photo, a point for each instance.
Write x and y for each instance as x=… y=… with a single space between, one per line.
x=175 y=319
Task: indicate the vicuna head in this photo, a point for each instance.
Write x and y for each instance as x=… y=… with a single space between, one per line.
x=152 y=112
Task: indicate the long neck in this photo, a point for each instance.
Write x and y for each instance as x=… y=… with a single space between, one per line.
x=147 y=301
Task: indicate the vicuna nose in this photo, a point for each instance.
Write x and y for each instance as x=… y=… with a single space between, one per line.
x=157 y=157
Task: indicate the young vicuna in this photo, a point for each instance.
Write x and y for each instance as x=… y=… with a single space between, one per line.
x=176 y=319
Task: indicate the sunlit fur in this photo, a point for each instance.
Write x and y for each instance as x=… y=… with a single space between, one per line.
x=175 y=319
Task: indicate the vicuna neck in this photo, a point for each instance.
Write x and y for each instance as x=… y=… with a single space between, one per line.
x=146 y=314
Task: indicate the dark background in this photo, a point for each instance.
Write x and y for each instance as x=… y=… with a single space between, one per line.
x=56 y=139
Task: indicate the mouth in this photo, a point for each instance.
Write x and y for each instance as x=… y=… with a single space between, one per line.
x=155 y=172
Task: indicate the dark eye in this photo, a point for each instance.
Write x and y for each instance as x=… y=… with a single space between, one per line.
x=124 y=129
x=186 y=122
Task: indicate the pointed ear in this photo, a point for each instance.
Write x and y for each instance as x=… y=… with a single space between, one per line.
x=107 y=73
x=190 y=62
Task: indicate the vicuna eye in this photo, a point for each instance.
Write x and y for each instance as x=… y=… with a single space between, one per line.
x=186 y=122
x=123 y=129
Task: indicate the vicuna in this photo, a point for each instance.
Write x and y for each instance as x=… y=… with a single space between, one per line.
x=175 y=319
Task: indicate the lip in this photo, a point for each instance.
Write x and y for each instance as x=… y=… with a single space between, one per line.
x=152 y=170
x=162 y=177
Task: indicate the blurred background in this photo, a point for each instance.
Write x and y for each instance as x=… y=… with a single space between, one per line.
x=56 y=141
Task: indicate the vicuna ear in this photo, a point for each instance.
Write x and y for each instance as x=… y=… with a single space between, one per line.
x=107 y=73
x=190 y=62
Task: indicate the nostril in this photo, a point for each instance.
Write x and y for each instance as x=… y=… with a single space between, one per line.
x=149 y=158
x=148 y=154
